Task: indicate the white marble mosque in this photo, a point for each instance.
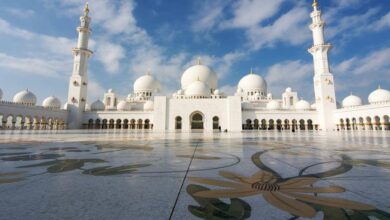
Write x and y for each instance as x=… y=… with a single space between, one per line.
x=199 y=103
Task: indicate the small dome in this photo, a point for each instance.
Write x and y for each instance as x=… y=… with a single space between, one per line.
x=25 y=97
x=197 y=88
x=269 y=95
x=146 y=83
x=217 y=92
x=149 y=106
x=314 y=106
x=87 y=107
x=288 y=89
x=1 y=94
x=66 y=106
x=124 y=106
x=98 y=106
x=51 y=102
x=273 y=105
x=352 y=101
x=379 y=96
x=199 y=73
x=180 y=92
x=110 y=91
x=252 y=82
x=302 y=105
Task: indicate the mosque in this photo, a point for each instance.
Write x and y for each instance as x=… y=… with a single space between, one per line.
x=199 y=103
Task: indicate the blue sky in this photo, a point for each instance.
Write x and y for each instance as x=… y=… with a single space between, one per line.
x=131 y=37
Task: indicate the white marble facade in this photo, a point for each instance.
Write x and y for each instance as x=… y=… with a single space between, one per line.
x=199 y=103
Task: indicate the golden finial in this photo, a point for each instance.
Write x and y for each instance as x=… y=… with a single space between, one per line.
x=199 y=61
x=379 y=87
x=251 y=71
x=86 y=9
x=315 y=4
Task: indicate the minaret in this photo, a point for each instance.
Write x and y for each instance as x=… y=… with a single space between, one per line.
x=323 y=79
x=78 y=83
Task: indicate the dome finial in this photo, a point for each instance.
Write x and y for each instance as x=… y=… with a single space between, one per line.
x=350 y=93
x=199 y=61
x=315 y=5
x=86 y=9
x=148 y=73
x=379 y=87
x=251 y=71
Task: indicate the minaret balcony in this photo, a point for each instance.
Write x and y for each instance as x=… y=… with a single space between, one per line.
x=323 y=47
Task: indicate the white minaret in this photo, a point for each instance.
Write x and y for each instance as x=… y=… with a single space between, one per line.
x=77 y=95
x=323 y=78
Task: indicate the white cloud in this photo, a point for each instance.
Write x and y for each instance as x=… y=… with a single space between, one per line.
x=110 y=55
x=208 y=15
x=21 y=13
x=248 y=13
x=34 y=66
x=295 y=74
x=382 y=23
x=286 y=29
x=95 y=91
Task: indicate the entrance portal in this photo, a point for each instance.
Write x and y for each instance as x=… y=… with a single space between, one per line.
x=197 y=121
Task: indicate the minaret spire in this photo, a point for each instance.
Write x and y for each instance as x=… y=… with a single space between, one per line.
x=315 y=5
x=323 y=79
x=78 y=84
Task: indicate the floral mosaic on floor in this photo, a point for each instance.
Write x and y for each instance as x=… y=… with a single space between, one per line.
x=219 y=179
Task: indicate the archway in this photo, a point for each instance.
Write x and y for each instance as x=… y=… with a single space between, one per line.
x=386 y=122
x=368 y=123
x=215 y=123
x=248 y=125
x=348 y=124
x=132 y=124
x=178 y=121
x=104 y=124
x=256 y=124
x=118 y=124
x=111 y=124
x=90 y=124
x=310 y=125
x=147 y=124
x=271 y=124
x=197 y=121
x=139 y=124
x=286 y=124
x=377 y=123
x=302 y=124
x=279 y=125
x=126 y=124
x=263 y=124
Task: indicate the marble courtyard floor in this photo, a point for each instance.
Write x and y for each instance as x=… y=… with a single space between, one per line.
x=249 y=175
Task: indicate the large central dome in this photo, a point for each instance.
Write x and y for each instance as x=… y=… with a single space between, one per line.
x=201 y=73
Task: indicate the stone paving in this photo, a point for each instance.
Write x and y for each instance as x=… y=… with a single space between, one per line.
x=140 y=175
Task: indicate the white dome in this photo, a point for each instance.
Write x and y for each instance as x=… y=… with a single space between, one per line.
x=123 y=106
x=273 y=105
x=314 y=106
x=98 y=106
x=1 y=94
x=217 y=92
x=199 y=73
x=87 y=107
x=25 y=97
x=149 y=105
x=379 y=96
x=253 y=82
x=51 y=102
x=352 y=101
x=288 y=89
x=66 y=106
x=180 y=92
x=302 y=105
x=146 y=83
x=198 y=88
